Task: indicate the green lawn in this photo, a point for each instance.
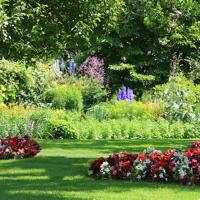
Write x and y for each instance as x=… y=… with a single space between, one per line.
x=60 y=172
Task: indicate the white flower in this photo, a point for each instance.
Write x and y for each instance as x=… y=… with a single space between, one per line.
x=148 y=161
x=181 y=172
x=105 y=168
x=128 y=174
x=161 y=175
x=139 y=177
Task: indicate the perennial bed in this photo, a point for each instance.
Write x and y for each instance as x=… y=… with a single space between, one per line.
x=18 y=147
x=154 y=165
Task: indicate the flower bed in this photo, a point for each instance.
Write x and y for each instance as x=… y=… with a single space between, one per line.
x=18 y=147
x=154 y=165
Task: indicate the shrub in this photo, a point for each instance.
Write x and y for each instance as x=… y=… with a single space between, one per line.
x=1 y=97
x=180 y=99
x=61 y=129
x=65 y=97
x=13 y=78
x=19 y=83
x=18 y=120
x=51 y=123
x=91 y=128
x=177 y=130
x=92 y=92
x=125 y=109
x=98 y=112
x=41 y=78
x=39 y=121
x=192 y=130
x=14 y=121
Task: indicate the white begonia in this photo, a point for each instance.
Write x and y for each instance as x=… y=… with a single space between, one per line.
x=128 y=174
x=139 y=177
x=186 y=160
x=181 y=172
x=161 y=175
x=105 y=168
x=7 y=150
x=148 y=161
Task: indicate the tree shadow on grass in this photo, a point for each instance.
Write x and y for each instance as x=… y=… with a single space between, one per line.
x=59 y=178
x=113 y=146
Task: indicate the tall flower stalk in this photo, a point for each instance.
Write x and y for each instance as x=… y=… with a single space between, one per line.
x=125 y=94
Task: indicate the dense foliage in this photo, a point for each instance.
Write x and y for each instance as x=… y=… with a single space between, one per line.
x=42 y=28
x=21 y=84
x=99 y=61
x=119 y=120
x=65 y=97
x=138 y=38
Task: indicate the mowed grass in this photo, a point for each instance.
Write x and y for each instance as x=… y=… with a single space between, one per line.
x=59 y=172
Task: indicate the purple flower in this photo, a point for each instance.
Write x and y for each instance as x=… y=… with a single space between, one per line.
x=125 y=94
x=130 y=95
x=93 y=67
x=119 y=95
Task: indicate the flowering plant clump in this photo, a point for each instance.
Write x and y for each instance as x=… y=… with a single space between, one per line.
x=18 y=147
x=155 y=165
x=118 y=166
x=125 y=94
x=93 y=67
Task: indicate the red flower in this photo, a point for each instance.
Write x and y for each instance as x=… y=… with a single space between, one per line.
x=188 y=154
x=95 y=165
x=142 y=157
x=24 y=147
x=127 y=163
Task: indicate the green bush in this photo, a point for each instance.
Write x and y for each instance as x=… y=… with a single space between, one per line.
x=59 y=124
x=91 y=128
x=93 y=93
x=180 y=99
x=13 y=79
x=192 y=130
x=39 y=119
x=125 y=109
x=1 y=97
x=19 y=83
x=61 y=129
x=177 y=130
x=14 y=121
x=65 y=97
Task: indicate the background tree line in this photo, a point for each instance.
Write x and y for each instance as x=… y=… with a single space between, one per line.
x=137 y=38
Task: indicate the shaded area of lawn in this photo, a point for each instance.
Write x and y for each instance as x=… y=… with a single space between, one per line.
x=60 y=172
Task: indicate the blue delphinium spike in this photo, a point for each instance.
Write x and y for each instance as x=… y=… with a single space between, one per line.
x=62 y=66
x=71 y=66
x=56 y=65
x=119 y=95
x=123 y=93
x=130 y=95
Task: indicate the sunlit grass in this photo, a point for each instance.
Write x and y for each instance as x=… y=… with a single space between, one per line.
x=59 y=172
